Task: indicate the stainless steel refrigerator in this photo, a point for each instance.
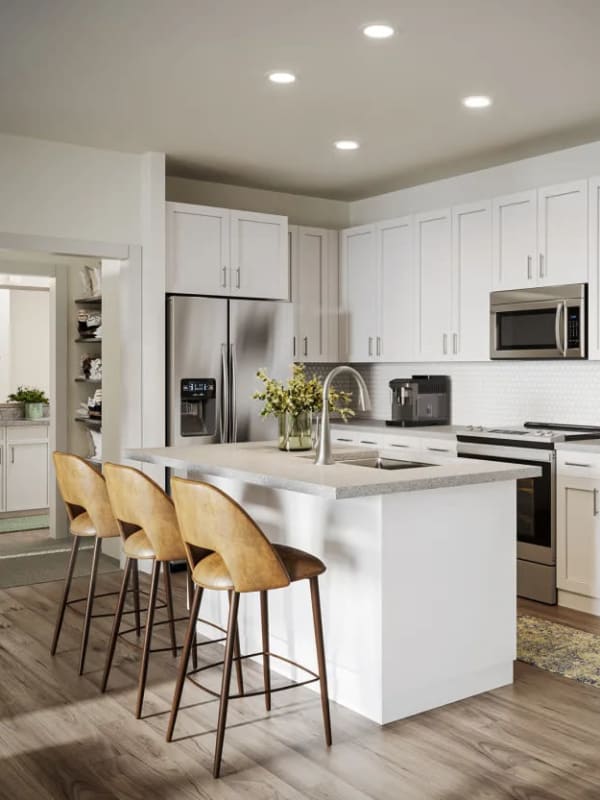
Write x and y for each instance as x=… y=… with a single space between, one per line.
x=214 y=348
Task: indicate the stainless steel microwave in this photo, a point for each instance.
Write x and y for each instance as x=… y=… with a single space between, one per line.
x=540 y=322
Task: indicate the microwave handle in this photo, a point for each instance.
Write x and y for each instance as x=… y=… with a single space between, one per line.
x=559 y=345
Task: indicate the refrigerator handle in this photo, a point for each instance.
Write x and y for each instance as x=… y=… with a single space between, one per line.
x=234 y=422
x=224 y=407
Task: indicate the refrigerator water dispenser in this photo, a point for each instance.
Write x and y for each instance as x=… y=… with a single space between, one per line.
x=198 y=407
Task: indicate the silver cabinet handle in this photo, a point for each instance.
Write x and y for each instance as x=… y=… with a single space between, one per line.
x=370 y=345
x=306 y=345
x=529 y=271
x=445 y=344
x=455 y=343
x=576 y=464
x=237 y=278
x=378 y=349
x=341 y=439
x=366 y=441
x=12 y=455
x=541 y=265
x=294 y=346
x=439 y=449
x=400 y=445
x=224 y=281
x=595 y=502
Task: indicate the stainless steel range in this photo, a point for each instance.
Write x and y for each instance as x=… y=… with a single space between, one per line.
x=531 y=443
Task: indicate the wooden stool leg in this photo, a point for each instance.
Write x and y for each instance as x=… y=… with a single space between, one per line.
x=190 y=637
x=237 y=654
x=169 y=597
x=116 y=623
x=148 y=638
x=190 y=600
x=90 y=603
x=229 y=648
x=318 y=623
x=65 y=595
x=264 y=617
x=136 y=598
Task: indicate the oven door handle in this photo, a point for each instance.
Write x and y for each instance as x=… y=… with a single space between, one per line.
x=562 y=306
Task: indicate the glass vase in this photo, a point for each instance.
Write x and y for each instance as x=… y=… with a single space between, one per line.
x=295 y=431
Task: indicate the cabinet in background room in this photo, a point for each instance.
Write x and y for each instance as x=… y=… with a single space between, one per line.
x=25 y=459
x=315 y=278
x=218 y=251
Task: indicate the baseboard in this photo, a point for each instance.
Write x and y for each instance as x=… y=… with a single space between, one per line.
x=579 y=602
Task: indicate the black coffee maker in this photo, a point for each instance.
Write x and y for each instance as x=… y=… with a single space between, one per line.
x=420 y=400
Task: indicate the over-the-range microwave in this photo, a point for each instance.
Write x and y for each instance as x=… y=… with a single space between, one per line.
x=540 y=322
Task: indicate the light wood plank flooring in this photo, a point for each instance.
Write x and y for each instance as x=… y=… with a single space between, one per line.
x=59 y=738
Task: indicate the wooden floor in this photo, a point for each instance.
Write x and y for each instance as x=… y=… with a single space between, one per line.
x=59 y=738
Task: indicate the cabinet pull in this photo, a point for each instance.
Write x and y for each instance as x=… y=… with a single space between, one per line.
x=455 y=343
x=366 y=441
x=439 y=449
x=445 y=344
x=378 y=350
x=341 y=439
x=576 y=464
x=529 y=272
x=1 y=450
x=237 y=278
x=400 y=445
x=224 y=280
x=294 y=345
x=541 y=265
x=12 y=455
x=306 y=345
x=370 y=345
x=595 y=502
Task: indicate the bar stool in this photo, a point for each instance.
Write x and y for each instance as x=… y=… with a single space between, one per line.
x=84 y=493
x=242 y=560
x=146 y=519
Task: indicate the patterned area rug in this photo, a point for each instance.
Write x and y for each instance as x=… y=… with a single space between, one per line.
x=559 y=648
x=33 y=523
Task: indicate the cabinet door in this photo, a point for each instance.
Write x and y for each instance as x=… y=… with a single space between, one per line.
x=578 y=535
x=434 y=281
x=360 y=293
x=514 y=240
x=563 y=234
x=259 y=256
x=310 y=270
x=197 y=249
x=395 y=341
x=27 y=476
x=472 y=275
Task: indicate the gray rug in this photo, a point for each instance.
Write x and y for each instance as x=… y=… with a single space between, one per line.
x=44 y=567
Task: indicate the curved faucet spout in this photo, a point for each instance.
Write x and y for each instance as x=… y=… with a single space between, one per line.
x=324 y=455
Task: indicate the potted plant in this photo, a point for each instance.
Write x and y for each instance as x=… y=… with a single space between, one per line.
x=32 y=399
x=294 y=404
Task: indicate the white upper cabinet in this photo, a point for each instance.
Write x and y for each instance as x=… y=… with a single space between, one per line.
x=563 y=234
x=472 y=281
x=515 y=240
x=259 y=256
x=359 y=321
x=197 y=249
x=216 y=251
x=394 y=340
x=433 y=259
x=541 y=237
x=314 y=267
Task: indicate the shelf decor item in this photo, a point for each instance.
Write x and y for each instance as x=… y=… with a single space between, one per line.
x=294 y=404
x=33 y=401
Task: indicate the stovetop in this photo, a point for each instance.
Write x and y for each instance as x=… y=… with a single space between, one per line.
x=546 y=432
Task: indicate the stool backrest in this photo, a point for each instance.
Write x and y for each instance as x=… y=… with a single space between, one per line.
x=139 y=503
x=83 y=490
x=211 y=520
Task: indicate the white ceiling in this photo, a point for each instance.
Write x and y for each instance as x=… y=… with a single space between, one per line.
x=187 y=77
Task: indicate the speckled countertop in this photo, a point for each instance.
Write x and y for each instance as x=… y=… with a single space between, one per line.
x=264 y=464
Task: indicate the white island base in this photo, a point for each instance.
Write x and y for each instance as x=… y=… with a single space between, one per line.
x=419 y=598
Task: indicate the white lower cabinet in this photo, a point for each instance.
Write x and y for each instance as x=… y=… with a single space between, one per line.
x=24 y=471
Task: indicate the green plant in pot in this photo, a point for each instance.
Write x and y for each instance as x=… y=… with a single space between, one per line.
x=295 y=402
x=33 y=401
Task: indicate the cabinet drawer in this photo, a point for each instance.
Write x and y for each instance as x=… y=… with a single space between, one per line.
x=441 y=447
x=403 y=442
x=26 y=433
x=578 y=463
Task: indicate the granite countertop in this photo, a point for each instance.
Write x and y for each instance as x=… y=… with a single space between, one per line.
x=12 y=423
x=264 y=464
x=584 y=446
x=379 y=425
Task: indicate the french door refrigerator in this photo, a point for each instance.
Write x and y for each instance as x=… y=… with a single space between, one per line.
x=214 y=348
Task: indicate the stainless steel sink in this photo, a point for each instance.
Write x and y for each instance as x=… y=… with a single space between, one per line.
x=377 y=462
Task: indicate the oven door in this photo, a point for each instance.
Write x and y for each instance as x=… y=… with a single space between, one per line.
x=536 y=522
x=548 y=329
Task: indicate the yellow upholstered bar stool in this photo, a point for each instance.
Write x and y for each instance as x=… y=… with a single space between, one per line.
x=147 y=522
x=84 y=493
x=242 y=560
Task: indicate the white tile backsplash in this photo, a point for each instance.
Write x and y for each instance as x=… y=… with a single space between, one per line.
x=508 y=392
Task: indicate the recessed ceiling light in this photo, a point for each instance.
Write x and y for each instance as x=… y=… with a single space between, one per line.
x=282 y=77
x=347 y=144
x=378 y=31
x=477 y=101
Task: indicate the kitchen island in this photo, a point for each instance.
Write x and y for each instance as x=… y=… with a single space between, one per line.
x=420 y=591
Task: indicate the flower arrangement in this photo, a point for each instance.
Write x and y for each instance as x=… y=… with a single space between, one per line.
x=300 y=394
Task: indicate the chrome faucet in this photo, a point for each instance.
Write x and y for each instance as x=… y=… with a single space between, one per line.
x=323 y=455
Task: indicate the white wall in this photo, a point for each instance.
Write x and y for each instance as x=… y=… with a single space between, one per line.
x=300 y=209
x=29 y=335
